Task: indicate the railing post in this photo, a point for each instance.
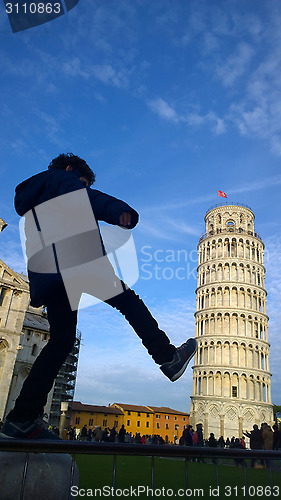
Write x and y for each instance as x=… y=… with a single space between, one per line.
x=186 y=475
x=246 y=480
x=71 y=477
x=114 y=477
x=24 y=476
x=217 y=477
x=152 y=475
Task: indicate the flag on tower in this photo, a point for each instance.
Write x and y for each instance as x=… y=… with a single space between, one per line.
x=221 y=193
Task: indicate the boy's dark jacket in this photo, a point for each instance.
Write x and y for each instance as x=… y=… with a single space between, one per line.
x=50 y=184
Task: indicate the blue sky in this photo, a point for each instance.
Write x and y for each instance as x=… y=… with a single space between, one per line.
x=168 y=101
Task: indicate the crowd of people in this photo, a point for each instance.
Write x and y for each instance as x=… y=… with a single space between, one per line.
x=191 y=437
x=111 y=435
x=263 y=438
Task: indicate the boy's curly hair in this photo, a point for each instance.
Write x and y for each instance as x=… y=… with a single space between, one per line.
x=63 y=160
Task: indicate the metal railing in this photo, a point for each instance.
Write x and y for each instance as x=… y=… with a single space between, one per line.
x=187 y=454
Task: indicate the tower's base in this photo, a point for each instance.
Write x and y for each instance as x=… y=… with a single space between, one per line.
x=228 y=418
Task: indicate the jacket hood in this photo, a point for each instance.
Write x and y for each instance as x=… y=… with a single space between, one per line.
x=29 y=192
x=44 y=186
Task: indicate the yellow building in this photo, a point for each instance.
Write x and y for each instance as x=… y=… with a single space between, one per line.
x=154 y=420
x=137 y=418
x=145 y=420
x=168 y=422
x=92 y=415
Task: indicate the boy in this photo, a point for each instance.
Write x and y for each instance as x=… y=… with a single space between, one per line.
x=69 y=178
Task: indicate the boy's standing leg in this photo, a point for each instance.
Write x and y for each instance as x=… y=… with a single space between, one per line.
x=22 y=421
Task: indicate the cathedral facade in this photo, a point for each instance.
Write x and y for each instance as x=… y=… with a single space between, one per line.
x=231 y=377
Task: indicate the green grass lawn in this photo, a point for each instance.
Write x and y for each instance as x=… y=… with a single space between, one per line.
x=133 y=477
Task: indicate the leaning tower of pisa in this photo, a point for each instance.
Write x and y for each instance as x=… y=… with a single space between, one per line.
x=231 y=378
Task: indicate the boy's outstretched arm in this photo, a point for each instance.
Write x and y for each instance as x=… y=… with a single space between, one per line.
x=112 y=210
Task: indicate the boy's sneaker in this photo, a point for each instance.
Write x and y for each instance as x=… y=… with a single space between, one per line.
x=33 y=429
x=175 y=368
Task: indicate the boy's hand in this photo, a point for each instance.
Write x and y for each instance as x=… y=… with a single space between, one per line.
x=125 y=219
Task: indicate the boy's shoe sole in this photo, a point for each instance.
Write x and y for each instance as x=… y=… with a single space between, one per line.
x=4 y=436
x=175 y=368
x=33 y=429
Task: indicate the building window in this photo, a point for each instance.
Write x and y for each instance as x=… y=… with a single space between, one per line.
x=167 y=426
x=234 y=391
x=128 y=423
x=34 y=350
x=177 y=427
x=157 y=425
x=138 y=423
x=91 y=421
x=147 y=415
x=2 y=295
x=104 y=423
x=157 y=416
x=147 y=424
x=105 y=414
x=176 y=418
x=167 y=417
x=184 y=419
x=77 y=420
x=129 y=413
x=139 y=414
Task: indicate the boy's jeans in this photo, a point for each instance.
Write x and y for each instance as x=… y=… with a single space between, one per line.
x=33 y=396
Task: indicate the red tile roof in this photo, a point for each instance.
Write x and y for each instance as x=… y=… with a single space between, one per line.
x=126 y=407
x=165 y=409
x=77 y=406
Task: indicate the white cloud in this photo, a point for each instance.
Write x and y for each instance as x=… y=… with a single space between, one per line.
x=164 y=110
x=73 y=68
x=275 y=145
x=166 y=228
x=193 y=119
x=235 y=66
x=241 y=52
x=262 y=184
x=20 y=146
x=106 y=73
x=53 y=127
x=210 y=43
x=219 y=126
x=111 y=76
